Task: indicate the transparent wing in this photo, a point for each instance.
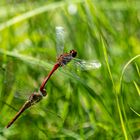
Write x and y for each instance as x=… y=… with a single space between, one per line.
x=59 y=39
x=14 y=83
x=79 y=64
x=85 y=65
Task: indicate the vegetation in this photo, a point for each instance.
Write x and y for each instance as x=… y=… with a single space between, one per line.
x=102 y=103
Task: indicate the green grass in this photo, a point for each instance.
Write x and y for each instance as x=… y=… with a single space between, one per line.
x=101 y=104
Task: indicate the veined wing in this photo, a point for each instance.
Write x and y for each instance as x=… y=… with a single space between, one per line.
x=59 y=39
x=85 y=65
x=80 y=64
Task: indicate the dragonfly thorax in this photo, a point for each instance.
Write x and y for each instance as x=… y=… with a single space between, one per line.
x=66 y=57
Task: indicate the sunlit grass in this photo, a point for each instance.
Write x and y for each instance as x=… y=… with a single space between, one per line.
x=92 y=104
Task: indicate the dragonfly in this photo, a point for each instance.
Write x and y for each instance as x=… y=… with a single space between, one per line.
x=61 y=61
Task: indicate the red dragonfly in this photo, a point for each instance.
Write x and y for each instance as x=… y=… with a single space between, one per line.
x=62 y=60
x=36 y=97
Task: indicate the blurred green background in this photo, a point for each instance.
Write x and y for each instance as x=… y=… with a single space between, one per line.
x=100 y=104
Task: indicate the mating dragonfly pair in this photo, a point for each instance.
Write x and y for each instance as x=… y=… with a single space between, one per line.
x=62 y=60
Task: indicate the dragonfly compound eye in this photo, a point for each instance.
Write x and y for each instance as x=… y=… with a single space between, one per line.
x=74 y=53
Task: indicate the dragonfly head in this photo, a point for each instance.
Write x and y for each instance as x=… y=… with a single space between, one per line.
x=73 y=53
